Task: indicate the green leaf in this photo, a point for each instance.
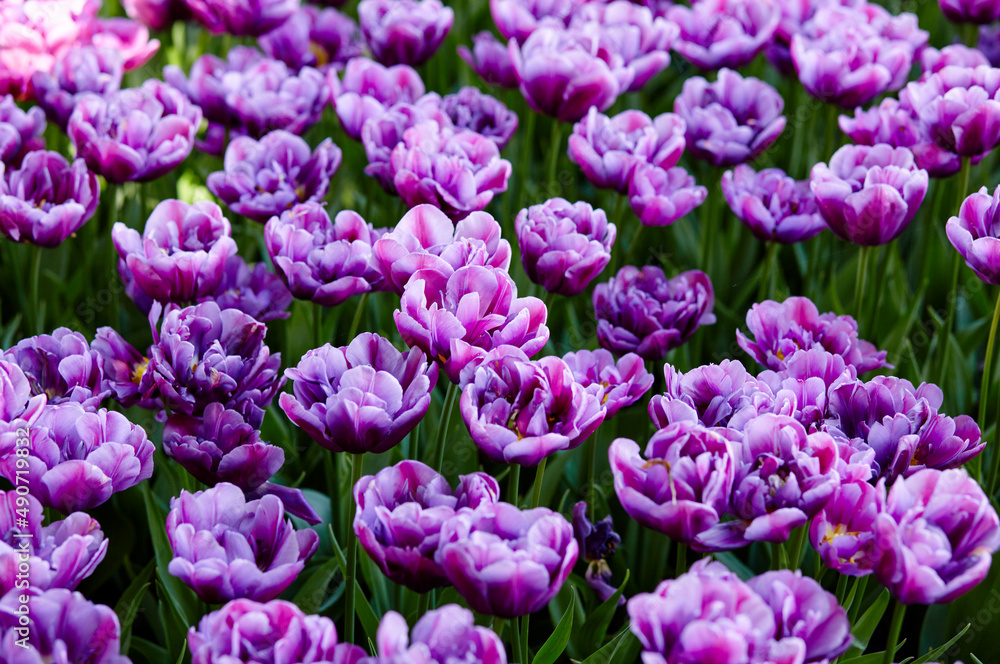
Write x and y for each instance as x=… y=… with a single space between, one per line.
x=315 y=589
x=128 y=606
x=975 y=660
x=369 y=621
x=627 y=651
x=148 y=650
x=604 y=655
x=556 y=643
x=940 y=650
x=735 y=565
x=595 y=627
x=866 y=625
x=183 y=600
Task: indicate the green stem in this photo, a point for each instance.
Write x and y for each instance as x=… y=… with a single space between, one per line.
x=895 y=627
x=963 y=186
x=423 y=603
x=798 y=546
x=859 y=595
x=352 y=560
x=591 y=495
x=358 y=313
x=872 y=314
x=536 y=489
x=988 y=368
x=842 y=589
x=515 y=639
x=38 y=319
x=529 y=137
x=524 y=637
x=316 y=312
x=862 y=279
x=768 y=284
x=332 y=487
x=682 y=565
x=449 y=407
x=555 y=149
x=512 y=483
x=634 y=245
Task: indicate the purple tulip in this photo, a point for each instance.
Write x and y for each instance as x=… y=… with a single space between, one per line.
x=800 y=390
x=21 y=132
x=506 y=562
x=16 y=400
x=124 y=369
x=157 y=14
x=521 y=411
x=204 y=354
x=457 y=319
x=79 y=458
x=958 y=55
x=598 y=542
x=564 y=245
x=426 y=238
x=633 y=33
x=732 y=120
x=616 y=385
x=59 y=555
x=471 y=109
x=181 y=254
x=322 y=260
x=680 y=486
x=256 y=291
x=134 y=134
x=440 y=636
x=660 y=197
x=849 y=56
x=62 y=366
x=803 y=610
x=83 y=69
x=47 y=200
x=313 y=37
x=381 y=134
x=895 y=123
x=935 y=534
x=262 y=179
x=957 y=109
x=517 y=19
x=64 y=627
x=244 y=18
x=970 y=11
x=562 y=73
x=608 y=150
x=709 y=615
x=642 y=311
x=783 y=478
x=129 y=38
x=364 y=397
x=843 y=531
x=781 y=328
x=369 y=89
x=902 y=425
x=974 y=234
x=404 y=31
x=722 y=395
x=226 y=548
x=989 y=43
x=458 y=171
x=400 y=512
x=490 y=60
x=869 y=195
x=275 y=632
x=724 y=33
x=773 y=206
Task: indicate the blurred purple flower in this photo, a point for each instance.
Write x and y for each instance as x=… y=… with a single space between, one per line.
x=506 y=562
x=724 y=33
x=64 y=627
x=970 y=11
x=974 y=234
x=157 y=14
x=490 y=60
x=642 y=311
x=243 y=17
x=608 y=150
x=322 y=260
x=261 y=179
x=773 y=206
x=204 y=354
x=456 y=319
x=79 y=458
x=958 y=55
x=404 y=31
x=957 y=108
x=935 y=536
x=843 y=531
x=59 y=555
x=62 y=366
x=779 y=329
x=47 y=200
x=660 y=197
x=486 y=115
x=521 y=411
x=869 y=195
x=136 y=134
x=517 y=19
x=128 y=38
x=314 y=37
x=226 y=548
x=275 y=632
x=255 y=291
x=21 y=132
x=598 y=542
x=441 y=636
x=616 y=385
x=563 y=72
x=399 y=515
x=457 y=171
x=83 y=69
x=369 y=89
x=181 y=254
x=989 y=43
x=732 y=120
x=364 y=397
x=564 y=245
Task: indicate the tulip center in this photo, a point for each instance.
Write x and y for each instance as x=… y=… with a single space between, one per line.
x=139 y=369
